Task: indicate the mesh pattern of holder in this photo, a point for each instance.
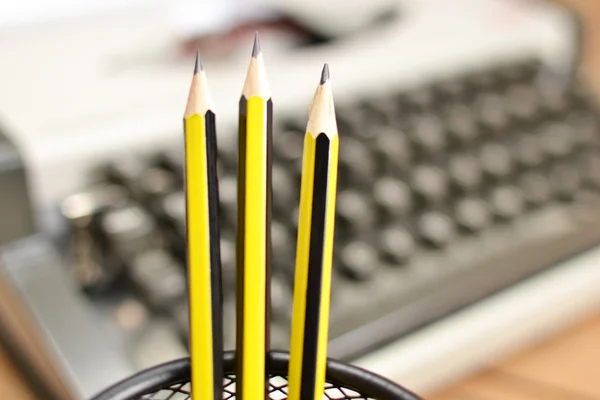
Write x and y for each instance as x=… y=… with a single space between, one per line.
x=170 y=381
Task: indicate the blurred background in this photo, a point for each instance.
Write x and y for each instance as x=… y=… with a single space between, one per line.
x=468 y=213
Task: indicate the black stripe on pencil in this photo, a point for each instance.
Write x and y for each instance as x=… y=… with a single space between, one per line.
x=315 y=272
x=215 y=254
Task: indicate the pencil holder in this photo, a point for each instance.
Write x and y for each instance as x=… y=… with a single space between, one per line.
x=172 y=381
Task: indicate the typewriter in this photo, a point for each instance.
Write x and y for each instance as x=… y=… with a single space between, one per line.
x=469 y=167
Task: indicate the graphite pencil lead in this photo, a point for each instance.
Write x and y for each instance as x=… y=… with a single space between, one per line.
x=198 y=66
x=256 y=83
x=325 y=74
x=256 y=49
x=199 y=100
x=321 y=115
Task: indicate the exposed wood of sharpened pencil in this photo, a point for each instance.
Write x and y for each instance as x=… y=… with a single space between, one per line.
x=204 y=261
x=314 y=251
x=254 y=230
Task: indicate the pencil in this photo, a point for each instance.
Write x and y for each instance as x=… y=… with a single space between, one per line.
x=253 y=255
x=204 y=261
x=314 y=251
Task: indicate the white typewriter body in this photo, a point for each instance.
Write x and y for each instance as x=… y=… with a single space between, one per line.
x=81 y=92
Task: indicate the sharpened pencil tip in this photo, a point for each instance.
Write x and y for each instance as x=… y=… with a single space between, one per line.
x=325 y=74
x=256 y=48
x=198 y=66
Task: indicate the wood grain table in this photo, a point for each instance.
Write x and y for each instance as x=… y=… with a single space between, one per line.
x=566 y=367
x=12 y=384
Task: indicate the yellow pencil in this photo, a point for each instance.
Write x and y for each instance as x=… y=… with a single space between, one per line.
x=204 y=261
x=253 y=253
x=314 y=251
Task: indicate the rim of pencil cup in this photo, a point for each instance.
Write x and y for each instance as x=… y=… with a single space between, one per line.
x=343 y=382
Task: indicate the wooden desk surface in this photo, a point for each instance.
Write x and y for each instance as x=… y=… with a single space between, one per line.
x=565 y=367
x=12 y=385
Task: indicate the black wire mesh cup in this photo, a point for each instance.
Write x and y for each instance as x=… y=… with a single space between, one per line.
x=171 y=381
